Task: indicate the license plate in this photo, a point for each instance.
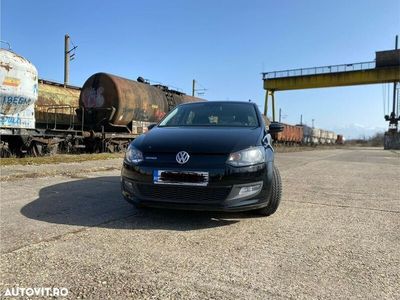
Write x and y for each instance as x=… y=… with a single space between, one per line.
x=180 y=177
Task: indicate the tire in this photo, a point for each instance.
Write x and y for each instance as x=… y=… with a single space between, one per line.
x=276 y=195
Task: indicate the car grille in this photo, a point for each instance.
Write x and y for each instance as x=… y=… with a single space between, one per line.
x=186 y=194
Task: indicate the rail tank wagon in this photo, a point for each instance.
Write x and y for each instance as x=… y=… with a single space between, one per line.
x=324 y=137
x=18 y=91
x=307 y=134
x=121 y=104
x=331 y=137
x=56 y=105
x=315 y=136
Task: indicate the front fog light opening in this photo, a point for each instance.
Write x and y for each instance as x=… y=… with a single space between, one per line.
x=248 y=190
x=244 y=191
x=128 y=186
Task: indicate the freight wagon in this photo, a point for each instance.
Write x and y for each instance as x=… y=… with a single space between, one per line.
x=40 y=116
x=314 y=136
x=331 y=137
x=56 y=104
x=340 y=139
x=311 y=136
x=307 y=134
x=290 y=135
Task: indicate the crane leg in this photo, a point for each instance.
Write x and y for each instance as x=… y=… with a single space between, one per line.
x=273 y=106
x=266 y=103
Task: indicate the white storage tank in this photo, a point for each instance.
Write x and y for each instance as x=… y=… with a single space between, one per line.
x=18 y=91
x=307 y=134
x=315 y=135
x=331 y=137
x=324 y=136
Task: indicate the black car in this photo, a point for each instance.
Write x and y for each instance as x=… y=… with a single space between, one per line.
x=205 y=156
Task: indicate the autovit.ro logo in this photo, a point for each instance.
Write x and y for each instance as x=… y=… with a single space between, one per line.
x=35 y=292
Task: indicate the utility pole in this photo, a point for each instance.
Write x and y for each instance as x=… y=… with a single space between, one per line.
x=66 y=59
x=281 y=116
x=301 y=119
x=313 y=123
x=194 y=90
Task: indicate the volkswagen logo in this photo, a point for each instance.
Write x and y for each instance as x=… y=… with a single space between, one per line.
x=182 y=157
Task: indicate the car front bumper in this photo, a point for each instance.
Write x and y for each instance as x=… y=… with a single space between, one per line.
x=223 y=192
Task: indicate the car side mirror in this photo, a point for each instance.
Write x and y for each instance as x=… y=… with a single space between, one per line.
x=275 y=127
x=151 y=126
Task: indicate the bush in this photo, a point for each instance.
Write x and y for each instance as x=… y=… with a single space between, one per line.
x=376 y=140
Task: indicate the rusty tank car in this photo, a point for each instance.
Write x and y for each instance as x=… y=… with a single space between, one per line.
x=105 y=115
x=118 y=104
x=56 y=105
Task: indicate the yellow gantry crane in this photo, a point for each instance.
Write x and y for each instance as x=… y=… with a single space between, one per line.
x=385 y=68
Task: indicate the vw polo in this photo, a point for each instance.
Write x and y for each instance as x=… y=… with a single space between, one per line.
x=205 y=156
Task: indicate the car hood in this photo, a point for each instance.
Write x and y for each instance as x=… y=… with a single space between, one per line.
x=198 y=139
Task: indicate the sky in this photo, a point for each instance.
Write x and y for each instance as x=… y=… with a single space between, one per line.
x=224 y=45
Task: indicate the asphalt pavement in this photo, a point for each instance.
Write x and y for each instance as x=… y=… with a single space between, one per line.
x=336 y=235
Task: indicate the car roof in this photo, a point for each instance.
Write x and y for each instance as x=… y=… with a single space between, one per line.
x=219 y=101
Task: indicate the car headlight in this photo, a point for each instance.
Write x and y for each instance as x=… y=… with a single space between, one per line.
x=133 y=155
x=247 y=157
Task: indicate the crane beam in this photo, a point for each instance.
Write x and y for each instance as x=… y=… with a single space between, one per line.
x=334 y=79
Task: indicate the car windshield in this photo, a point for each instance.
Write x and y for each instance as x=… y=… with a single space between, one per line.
x=212 y=114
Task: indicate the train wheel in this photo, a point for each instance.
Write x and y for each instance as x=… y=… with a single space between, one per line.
x=52 y=149
x=36 y=149
x=109 y=146
x=122 y=145
x=4 y=150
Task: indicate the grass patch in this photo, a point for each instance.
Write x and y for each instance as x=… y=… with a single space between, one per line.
x=58 y=158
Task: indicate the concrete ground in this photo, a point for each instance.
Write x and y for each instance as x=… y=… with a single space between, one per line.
x=336 y=235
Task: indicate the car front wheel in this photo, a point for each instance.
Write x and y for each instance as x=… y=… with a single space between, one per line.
x=276 y=195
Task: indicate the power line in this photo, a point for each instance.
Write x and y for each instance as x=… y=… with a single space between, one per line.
x=201 y=91
x=7 y=43
x=71 y=52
